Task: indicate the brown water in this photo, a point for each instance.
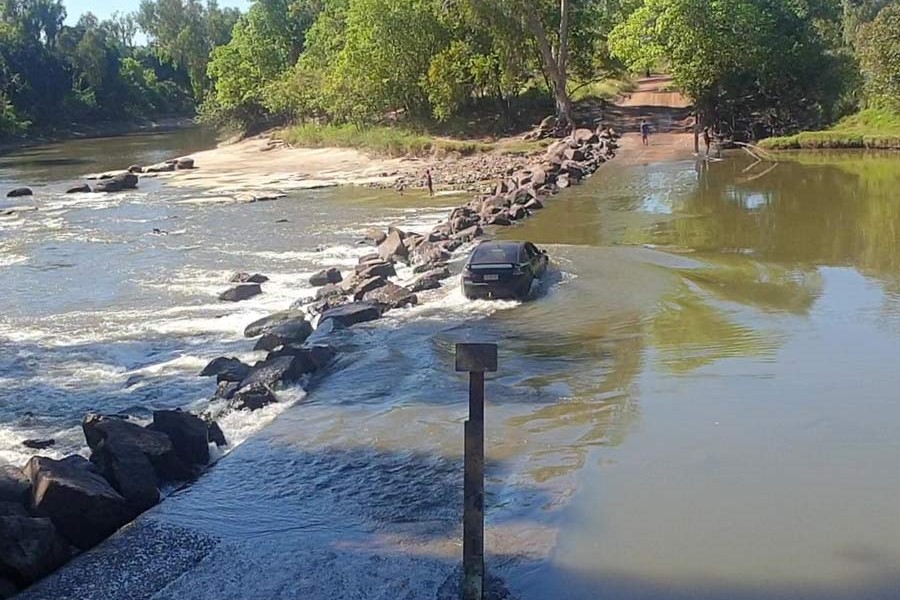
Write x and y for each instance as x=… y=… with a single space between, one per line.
x=699 y=402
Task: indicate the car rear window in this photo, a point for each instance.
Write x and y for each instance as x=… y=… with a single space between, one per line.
x=495 y=253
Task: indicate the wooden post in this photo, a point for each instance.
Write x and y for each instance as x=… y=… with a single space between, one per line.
x=476 y=359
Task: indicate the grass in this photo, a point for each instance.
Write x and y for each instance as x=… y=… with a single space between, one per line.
x=606 y=89
x=870 y=128
x=395 y=141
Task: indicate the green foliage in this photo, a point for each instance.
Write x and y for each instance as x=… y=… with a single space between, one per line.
x=393 y=141
x=766 y=59
x=879 y=50
x=872 y=128
x=185 y=32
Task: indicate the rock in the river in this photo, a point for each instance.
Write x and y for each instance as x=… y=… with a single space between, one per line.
x=185 y=163
x=14 y=485
x=39 y=444
x=286 y=332
x=215 y=434
x=243 y=277
x=136 y=169
x=79 y=189
x=431 y=279
x=534 y=204
x=352 y=313
x=393 y=248
x=274 y=371
x=19 y=192
x=29 y=548
x=83 y=506
x=189 y=434
x=226 y=369
x=129 y=471
x=332 y=290
x=325 y=277
x=468 y=235
x=162 y=167
x=117 y=183
x=156 y=446
x=253 y=398
x=226 y=390
x=391 y=296
x=376 y=235
x=362 y=287
x=429 y=252
x=273 y=321
x=584 y=136
x=376 y=269
x=240 y=292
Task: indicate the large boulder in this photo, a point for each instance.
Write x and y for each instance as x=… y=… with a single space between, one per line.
x=266 y=324
x=308 y=358
x=352 y=313
x=391 y=296
x=253 y=397
x=117 y=183
x=82 y=505
x=189 y=434
x=136 y=169
x=274 y=371
x=430 y=253
x=332 y=290
x=375 y=235
x=226 y=369
x=376 y=269
x=79 y=189
x=19 y=192
x=468 y=235
x=14 y=485
x=363 y=286
x=243 y=277
x=325 y=277
x=156 y=446
x=185 y=163
x=393 y=248
x=241 y=292
x=29 y=548
x=288 y=332
x=129 y=471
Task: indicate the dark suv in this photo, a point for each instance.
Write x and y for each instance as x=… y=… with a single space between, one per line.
x=503 y=270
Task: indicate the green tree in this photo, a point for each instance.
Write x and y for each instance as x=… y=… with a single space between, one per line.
x=769 y=60
x=879 y=49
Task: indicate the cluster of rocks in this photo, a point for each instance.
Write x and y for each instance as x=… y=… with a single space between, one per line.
x=247 y=287
x=116 y=181
x=463 y=172
x=53 y=509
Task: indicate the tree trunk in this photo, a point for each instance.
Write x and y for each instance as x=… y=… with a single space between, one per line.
x=555 y=65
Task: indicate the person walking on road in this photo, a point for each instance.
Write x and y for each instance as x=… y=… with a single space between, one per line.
x=645 y=132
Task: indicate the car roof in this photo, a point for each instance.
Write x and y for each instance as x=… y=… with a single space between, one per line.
x=493 y=252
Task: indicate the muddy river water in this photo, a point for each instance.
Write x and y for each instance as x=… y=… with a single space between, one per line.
x=700 y=402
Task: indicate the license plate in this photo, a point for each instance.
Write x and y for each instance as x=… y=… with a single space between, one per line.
x=491 y=277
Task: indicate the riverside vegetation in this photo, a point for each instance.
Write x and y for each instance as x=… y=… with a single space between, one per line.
x=471 y=68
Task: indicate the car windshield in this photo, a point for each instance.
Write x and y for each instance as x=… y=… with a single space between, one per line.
x=496 y=253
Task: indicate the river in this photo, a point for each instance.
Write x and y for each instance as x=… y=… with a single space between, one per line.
x=697 y=404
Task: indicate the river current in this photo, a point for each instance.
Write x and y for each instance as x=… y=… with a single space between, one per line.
x=698 y=403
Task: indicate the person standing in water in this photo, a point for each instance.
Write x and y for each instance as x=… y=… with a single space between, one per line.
x=645 y=132
x=429 y=182
x=707 y=140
